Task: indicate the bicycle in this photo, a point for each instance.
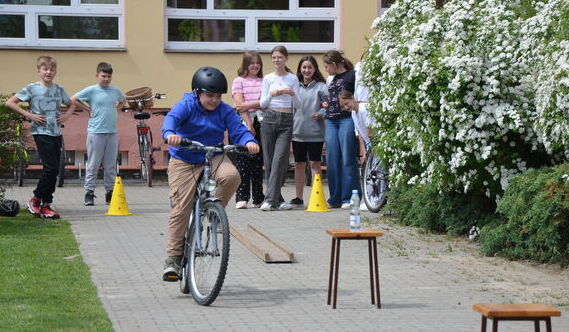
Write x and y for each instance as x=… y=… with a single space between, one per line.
x=374 y=182
x=139 y=100
x=206 y=245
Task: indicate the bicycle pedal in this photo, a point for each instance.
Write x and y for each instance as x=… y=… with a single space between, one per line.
x=170 y=277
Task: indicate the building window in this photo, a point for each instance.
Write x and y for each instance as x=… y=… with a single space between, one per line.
x=62 y=24
x=238 y=25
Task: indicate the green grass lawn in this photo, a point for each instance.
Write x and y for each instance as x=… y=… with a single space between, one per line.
x=44 y=283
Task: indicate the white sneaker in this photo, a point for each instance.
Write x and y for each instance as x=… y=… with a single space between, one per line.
x=241 y=205
x=266 y=206
x=345 y=206
x=285 y=206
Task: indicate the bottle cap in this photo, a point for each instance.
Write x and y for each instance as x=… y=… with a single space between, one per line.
x=355 y=191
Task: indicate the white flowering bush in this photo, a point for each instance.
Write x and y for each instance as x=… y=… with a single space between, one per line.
x=469 y=95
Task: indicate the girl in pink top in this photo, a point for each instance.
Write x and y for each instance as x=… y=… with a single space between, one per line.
x=246 y=93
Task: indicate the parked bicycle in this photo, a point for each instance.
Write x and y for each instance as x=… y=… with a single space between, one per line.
x=140 y=101
x=374 y=182
x=206 y=245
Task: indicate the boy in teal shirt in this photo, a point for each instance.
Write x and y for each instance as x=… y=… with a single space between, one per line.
x=44 y=98
x=104 y=102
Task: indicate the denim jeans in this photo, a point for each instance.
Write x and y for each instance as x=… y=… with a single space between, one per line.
x=49 y=151
x=341 y=160
x=276 y=131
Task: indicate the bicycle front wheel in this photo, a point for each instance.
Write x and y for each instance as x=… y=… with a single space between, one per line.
x=374 y=183
x=208 y=254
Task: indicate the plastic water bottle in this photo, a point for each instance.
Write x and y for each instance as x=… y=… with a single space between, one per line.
x=355 y=219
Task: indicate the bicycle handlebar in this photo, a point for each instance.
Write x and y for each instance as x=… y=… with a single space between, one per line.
x=194 y=145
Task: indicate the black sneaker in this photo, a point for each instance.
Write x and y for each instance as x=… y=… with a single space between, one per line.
x=89 y=198
x=172 y=268
x=297 y=201
x=108 y=197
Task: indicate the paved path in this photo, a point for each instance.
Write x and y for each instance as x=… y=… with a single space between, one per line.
x=125 y=254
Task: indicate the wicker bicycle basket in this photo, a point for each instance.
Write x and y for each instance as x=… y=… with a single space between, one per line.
x=140 y=93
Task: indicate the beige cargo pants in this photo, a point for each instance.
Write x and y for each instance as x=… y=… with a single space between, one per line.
x=182 y=179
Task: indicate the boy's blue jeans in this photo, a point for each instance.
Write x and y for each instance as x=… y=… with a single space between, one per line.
x=341 y=161
x=49 y=151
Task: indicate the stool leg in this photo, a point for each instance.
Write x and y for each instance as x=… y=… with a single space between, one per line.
x=548 y=324
x=483 y=326
x=494 y=324
x=330 y=279
x=375 y=259
x=335 y=289
x=371 y=278
x=536 y=325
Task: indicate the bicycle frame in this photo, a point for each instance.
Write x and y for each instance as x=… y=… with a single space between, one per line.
x=204 y=191
x=206 y=185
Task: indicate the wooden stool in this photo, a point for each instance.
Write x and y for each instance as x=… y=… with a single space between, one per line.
x=345 y=234
x=516 y=311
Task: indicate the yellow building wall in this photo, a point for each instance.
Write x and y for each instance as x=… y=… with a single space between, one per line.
x=144 y=62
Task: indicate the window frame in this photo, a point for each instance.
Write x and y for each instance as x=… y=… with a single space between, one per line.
x=251 y=18
x=76 y=8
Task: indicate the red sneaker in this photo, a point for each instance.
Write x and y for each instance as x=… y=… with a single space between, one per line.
x=34 y=206
x=47 y=212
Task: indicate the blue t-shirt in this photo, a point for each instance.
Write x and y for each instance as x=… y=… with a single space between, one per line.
x=103 y=102
x=45 y=100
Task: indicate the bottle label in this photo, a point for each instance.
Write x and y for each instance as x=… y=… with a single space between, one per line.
x=355 y=222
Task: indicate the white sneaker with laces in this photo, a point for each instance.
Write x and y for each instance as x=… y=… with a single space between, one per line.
x=266 y=206
x=241 y=205
x=345 y=206
x=285 y=206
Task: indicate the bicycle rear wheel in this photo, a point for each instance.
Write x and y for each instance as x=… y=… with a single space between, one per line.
x=207 y=264
x=149 y=162
x=146 y=160
x=374 y=183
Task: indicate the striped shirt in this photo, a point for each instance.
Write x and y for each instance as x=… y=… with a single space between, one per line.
x=249 y=87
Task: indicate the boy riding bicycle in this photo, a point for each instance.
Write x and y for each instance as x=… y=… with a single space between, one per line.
x=200 y=116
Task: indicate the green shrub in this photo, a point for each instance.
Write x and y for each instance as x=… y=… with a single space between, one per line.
x=454 y=213
x=534 y=215
x=9 y=149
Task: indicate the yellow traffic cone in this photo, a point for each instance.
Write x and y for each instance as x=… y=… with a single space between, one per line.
x=118 y=206
x=317 y=201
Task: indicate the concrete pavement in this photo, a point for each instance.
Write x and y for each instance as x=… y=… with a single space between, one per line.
x=126 y=253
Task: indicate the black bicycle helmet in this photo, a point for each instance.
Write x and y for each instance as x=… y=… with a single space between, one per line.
x=209 y=79
x=9 y=208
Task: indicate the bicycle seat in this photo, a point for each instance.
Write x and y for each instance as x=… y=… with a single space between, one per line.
x=141 y=115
